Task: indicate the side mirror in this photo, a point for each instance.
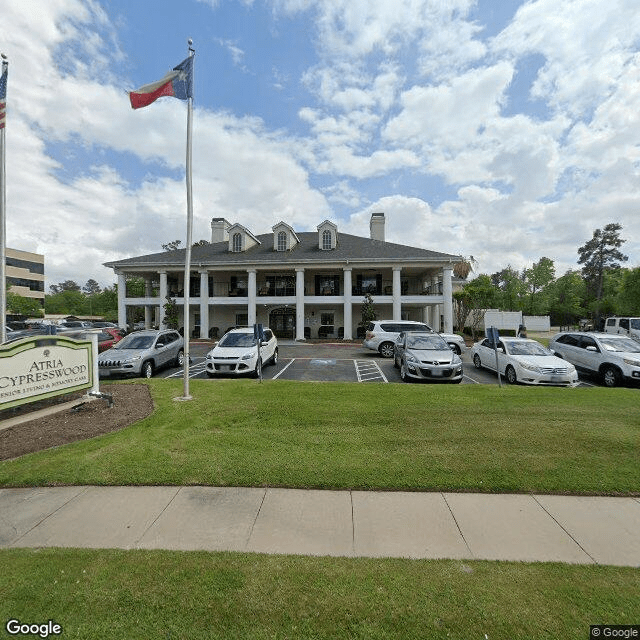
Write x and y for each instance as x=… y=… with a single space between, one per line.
x=501 y=349
x=592 y=348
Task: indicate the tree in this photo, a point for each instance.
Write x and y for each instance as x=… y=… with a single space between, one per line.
x=171 y=313
x=463 y=268
x=67 y=285
x=599 y=255
x=91 y=287
x=566 y=296
x=512 y=289
x=368 y=311
x=476 y=297
x=23 y=306
x=536 y=279
x=174 y=245
x=67 y=302
x=628 y=302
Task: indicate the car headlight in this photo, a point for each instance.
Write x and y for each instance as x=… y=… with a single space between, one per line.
x=633 y=363
x=132 y=359
x=530 y=367
x=456 y=360
x=409 y=357
x=248 y=356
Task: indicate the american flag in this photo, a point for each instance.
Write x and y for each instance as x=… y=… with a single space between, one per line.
x=3 y=95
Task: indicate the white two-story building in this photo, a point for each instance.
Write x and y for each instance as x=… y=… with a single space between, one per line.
x=300 y=284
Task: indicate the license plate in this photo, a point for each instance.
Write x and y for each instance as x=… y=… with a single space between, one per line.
x=436 y=373
x=226 y=367
x=557 y=378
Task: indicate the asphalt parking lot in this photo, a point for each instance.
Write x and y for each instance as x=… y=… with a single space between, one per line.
x=333 y=362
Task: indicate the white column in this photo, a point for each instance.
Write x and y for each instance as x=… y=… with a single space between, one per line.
x=163 y=297
x=447 y=292
x=251 y=293
x=435 y=309
x=397 y=290
x=348 y=309
x=122 y=294
x=148 y=292
x=300 y=304
x=204 y=304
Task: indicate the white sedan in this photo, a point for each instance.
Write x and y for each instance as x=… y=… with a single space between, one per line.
x=524 y=360
x=237 y=353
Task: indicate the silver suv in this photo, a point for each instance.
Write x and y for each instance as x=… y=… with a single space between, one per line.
x=613 y=357
x=381 y=335
x=142 y=353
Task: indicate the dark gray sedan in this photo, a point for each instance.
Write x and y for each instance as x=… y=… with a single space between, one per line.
x=426 y=356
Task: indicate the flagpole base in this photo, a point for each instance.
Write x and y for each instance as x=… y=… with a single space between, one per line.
x=183 y=399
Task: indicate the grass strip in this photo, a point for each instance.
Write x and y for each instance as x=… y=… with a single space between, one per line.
x=160 y=594
x=362 y=436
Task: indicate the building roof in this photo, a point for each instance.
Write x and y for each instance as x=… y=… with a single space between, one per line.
x=352 y=249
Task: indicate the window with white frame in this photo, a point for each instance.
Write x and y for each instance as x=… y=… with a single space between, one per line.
x=282 y=241
x=326 y=239
x=237 y=242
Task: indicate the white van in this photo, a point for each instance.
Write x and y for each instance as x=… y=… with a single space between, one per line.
x=625 y=326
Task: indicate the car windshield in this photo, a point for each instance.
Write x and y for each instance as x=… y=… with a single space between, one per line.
x=237 y=340
x=135 y=342
x=620 y=343
x=526 y=349
x=426 y=342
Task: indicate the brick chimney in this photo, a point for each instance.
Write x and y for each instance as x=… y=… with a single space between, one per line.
x=376 y=226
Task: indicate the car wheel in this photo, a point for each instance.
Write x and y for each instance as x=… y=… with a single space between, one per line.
x=180 y=359
x=510 y=374
x=274 y=357
x=610 y=376
x=147 y=369
x=403 y=372
x=476 y=361
x=455 y=348
x=386 y=349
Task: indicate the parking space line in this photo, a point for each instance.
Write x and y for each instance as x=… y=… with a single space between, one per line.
x=283 y=369
x=195 y=369
x=367 y=370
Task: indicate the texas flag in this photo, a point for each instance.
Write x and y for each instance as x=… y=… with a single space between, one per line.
x=178 y=83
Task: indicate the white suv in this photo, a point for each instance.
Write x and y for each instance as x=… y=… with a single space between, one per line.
x=237 y=353
x=614 y=358
x=381 y=335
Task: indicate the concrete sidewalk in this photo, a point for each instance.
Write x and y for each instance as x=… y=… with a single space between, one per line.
x=585 y=530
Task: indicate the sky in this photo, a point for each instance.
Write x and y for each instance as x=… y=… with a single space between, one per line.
x=505 y=130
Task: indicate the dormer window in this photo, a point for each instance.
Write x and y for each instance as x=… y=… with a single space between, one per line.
x=284 y=237
x=237 y=242
x=327 y=236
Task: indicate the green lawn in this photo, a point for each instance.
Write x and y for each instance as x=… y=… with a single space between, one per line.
x=364 y=436
x=100 y=594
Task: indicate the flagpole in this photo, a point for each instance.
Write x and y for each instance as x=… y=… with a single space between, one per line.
x=187 y=259
x=3 y=224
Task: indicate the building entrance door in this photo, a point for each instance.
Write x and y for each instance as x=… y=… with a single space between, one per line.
x=283 y=322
